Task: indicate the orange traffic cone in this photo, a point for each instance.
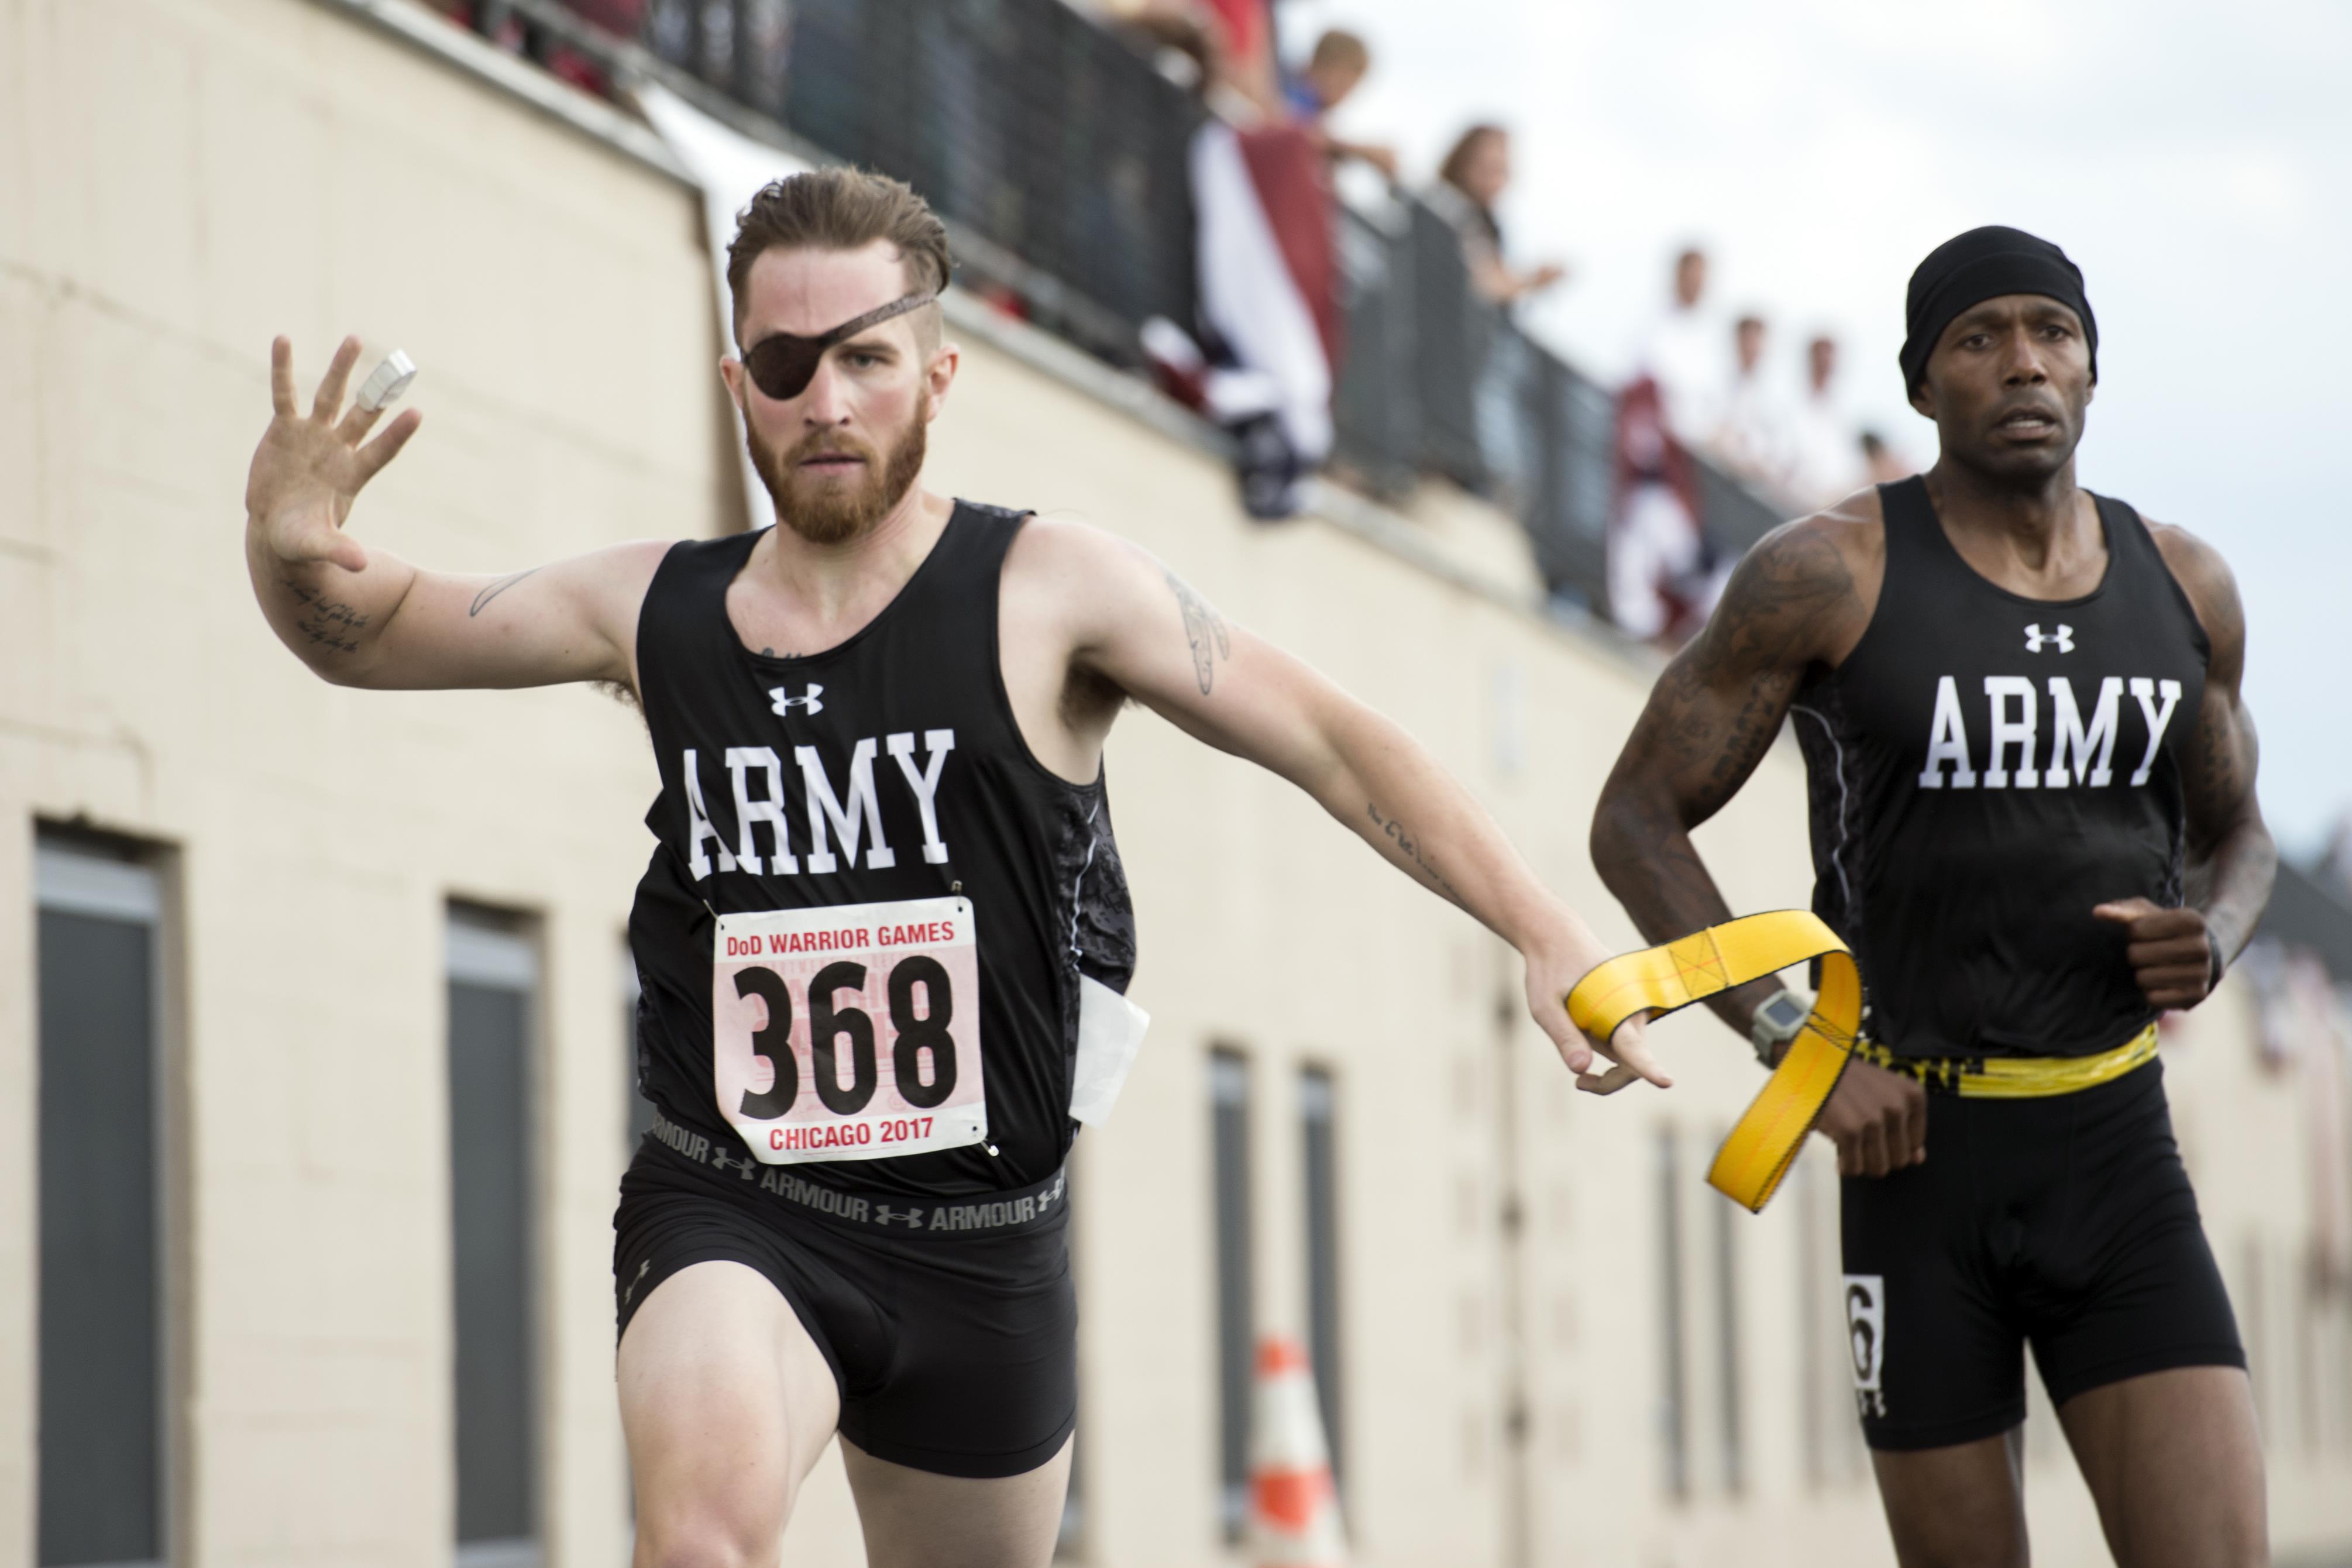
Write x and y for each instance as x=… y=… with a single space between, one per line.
x=1294 y=1512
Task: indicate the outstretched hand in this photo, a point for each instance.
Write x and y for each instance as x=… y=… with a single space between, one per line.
x=2171 y=952
x=1627 y=1048
x=309 y=468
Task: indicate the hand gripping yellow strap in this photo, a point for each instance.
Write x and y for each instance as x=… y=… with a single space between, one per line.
x=1660 y=980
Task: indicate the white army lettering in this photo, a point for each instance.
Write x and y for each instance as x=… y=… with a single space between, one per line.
x=2080 y=753
x=755 y=776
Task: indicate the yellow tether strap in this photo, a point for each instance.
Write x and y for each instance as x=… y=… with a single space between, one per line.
x=1659 y=980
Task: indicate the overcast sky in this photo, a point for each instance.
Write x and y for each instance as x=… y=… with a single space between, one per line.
x=2195 y=161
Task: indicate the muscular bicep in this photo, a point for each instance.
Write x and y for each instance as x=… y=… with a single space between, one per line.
x=2218 y=770
x=571 y=620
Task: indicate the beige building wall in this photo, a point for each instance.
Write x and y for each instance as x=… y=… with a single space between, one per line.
x=179 y=180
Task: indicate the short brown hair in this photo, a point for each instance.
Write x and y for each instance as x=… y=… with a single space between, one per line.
x=1339 y=49
x=839 y=209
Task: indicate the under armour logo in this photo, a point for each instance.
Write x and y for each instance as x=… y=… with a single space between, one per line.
x=784 y=705
x=745 y=1166
x=2035 y=637
x=888 y=1216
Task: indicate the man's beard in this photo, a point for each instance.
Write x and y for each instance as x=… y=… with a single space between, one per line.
x=827 y=511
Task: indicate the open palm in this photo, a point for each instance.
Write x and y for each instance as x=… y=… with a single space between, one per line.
x=309 y=468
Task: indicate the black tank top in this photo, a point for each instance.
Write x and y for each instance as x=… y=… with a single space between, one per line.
x=1983 y=769
x=871 y=822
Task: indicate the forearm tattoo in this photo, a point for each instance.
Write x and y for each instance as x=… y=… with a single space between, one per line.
x=482 y=600
x=1409 y=848
x=1203 y=629
x=326 y=623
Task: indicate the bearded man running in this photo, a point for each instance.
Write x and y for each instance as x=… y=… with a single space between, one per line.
x=884 y=936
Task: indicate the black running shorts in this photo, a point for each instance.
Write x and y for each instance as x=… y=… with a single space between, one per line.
x=2067 y=1222
x=950 y=1325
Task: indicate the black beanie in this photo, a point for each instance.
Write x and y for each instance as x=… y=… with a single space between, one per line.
x=1984 y=264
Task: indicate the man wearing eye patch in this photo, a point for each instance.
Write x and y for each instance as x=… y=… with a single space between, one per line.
x=885 y=934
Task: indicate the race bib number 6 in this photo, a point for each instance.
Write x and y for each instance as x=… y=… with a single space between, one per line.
x=850 y=1033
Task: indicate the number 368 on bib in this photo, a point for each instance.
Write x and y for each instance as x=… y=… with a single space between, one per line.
x=849 y=1033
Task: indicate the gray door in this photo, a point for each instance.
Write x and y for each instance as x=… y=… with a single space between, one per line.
x=101 y=1492
x=493 y=978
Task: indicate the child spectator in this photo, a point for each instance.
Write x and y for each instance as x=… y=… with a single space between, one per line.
x=1334 y=70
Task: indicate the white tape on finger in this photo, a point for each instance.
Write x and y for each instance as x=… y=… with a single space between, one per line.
x=386 y=382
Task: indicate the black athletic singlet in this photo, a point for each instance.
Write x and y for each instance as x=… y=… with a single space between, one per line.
x=1983 y=769
x=887 y=780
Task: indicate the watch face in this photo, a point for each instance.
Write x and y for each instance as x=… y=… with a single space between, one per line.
x=1784 y=1013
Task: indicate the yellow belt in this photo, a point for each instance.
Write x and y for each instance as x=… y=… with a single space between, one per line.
x=2016 y=1077
x=1659 y=980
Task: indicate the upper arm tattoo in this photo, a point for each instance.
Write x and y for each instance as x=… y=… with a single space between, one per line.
x=1718 y=705
x=1204 y=629
x=482 y=600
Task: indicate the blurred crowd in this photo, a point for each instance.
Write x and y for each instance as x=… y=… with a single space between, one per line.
x=1261 y=349
x=1701 y=385
x=1705 y=384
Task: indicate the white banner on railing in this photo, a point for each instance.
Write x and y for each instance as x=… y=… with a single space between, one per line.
x=730 y=167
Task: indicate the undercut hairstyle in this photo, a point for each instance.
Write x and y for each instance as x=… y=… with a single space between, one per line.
x=1339 y=49
x=842 y=209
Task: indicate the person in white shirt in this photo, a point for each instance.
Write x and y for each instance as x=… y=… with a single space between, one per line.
x=1751 y=437
x=1683 y=354
x=1825 y=458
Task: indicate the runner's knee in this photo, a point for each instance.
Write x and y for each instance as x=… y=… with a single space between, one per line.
x=708 y=1541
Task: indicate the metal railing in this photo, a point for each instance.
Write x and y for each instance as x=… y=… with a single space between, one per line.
x=1057 y=152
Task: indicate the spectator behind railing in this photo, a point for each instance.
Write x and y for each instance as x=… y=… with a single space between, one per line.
x=1663 y=577
x=1826 y=460
x=1682 y=352
x=1470 y=181
x=1751 y=435
x=1337 y=66
x=1262 y=354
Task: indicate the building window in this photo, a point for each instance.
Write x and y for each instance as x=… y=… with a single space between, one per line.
x=493 y=982
x=1316 y=1110
x=1229 y=1089
x=1674 y=1403
x=102 y=1394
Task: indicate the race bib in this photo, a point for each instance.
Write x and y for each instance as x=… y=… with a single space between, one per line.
x=850 y=1033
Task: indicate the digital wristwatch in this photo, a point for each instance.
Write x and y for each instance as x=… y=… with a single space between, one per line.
x=1777 y=1021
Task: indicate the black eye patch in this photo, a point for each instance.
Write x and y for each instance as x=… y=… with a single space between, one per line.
x=782 y=364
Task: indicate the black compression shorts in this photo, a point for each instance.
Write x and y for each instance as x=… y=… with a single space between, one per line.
x=2064 y=1222
x=951 y=1324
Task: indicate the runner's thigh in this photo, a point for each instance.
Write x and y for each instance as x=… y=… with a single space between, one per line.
x=1957 y=1507
x=914 y=1518
x=727 y=1404
x=2174 y=1460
